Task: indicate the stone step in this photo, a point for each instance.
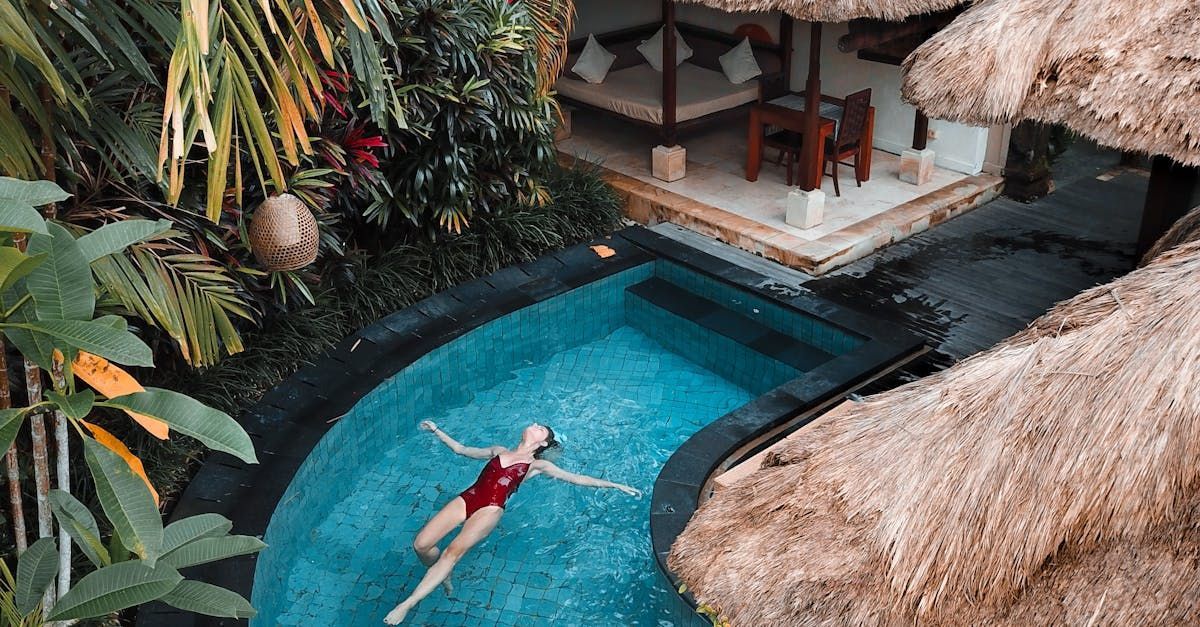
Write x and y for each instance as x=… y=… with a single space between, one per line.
x=725 y=322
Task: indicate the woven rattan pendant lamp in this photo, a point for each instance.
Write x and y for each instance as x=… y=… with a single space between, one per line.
x=283 y=234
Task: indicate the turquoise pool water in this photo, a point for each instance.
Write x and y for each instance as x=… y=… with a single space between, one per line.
x=591 y=363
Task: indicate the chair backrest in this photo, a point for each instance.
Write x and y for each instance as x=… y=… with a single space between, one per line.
x=854 y=117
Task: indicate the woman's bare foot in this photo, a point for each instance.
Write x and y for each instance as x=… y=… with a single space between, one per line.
x=396 y=616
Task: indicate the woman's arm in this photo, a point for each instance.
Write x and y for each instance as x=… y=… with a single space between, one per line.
x=454 y=445
x=551 y=470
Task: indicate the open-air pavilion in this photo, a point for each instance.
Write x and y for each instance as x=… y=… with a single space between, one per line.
x=688 y=147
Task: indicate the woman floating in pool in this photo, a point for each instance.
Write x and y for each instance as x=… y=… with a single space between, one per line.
x=479 y=508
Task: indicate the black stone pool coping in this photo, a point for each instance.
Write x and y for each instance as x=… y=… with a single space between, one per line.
x=289 y=420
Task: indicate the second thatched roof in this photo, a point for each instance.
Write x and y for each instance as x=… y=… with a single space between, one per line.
x=1051 y=479
x=1124 y=73
x=836 y=10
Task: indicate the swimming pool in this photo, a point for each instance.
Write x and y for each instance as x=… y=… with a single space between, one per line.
x=625 y=369
x=324 y=435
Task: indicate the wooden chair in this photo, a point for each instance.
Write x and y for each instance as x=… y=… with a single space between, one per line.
x=847 y=143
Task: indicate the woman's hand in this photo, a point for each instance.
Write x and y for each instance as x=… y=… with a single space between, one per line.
x=628 y=490
x=427 y=425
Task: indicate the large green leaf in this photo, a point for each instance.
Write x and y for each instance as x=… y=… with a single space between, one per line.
x=80 y=525
x=96 y=338
x=10 y=425
x=207 y=550
x=117 y=236
x=77 y=405
x=215 y=429
x=36 y=568
x=204 y=598
x=126 y=501
x=191 y=528
x=115 y=588
x=62 y=285
x=15 y=265
x=18 y=199
x=35 y=347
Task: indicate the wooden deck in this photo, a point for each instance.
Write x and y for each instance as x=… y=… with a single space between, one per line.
x=974 y=280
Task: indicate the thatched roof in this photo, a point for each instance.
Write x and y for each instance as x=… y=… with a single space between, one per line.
x=1050 y=479
x=836 y=10
x=1124 y=73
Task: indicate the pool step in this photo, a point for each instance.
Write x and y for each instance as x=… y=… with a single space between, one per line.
x=728 y=323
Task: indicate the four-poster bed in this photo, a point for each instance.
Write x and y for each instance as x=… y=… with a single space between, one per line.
x=684 y=95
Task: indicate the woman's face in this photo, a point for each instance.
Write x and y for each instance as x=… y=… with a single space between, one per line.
x=536 y=433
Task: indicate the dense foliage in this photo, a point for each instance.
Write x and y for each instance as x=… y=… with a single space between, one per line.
x=479 y=131
x=583 y=207
x=384 y=116
x=51 y=314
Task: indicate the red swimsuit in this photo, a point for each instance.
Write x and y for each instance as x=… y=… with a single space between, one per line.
x=494 y=485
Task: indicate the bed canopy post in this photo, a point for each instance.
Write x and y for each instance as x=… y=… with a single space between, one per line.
x=669 y=73
x=786 y=29
x=811 y=147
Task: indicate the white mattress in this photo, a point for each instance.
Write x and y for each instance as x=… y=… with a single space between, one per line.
x=636 y=92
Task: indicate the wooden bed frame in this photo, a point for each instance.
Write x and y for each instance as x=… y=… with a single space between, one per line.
x=771 y=84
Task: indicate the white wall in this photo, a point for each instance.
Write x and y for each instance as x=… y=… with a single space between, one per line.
x=960 y=148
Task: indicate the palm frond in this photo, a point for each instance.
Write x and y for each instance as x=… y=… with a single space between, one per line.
x=189 y=296
x=552 y=23
x=247 y=73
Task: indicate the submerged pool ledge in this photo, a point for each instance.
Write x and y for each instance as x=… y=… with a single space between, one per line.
x=288 y=422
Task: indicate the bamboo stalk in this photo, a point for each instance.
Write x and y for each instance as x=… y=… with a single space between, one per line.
x=62 y=459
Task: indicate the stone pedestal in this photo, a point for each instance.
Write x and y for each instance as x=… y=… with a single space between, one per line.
x=669 y=163
x=916 y=166
x=805 y=209
x=563 y=130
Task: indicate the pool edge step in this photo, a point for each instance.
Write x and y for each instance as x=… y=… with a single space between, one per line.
x=730 y=324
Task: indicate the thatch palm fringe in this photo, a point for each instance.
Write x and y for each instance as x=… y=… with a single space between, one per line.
x=1025 y=470
x=835 y=10
x=1126 y=74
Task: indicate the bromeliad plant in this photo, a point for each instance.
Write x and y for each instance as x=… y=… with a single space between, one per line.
x=50 y=312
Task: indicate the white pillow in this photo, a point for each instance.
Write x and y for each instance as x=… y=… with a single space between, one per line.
x=739 y=63
x=594 y=62
x=652 y=49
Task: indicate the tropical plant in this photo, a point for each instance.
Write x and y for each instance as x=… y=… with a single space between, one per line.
x=50 y=312
x=238 y=73
x=479 y=128
x=552 y=22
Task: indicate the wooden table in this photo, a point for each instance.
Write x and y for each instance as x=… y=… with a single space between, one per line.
x=763 y=114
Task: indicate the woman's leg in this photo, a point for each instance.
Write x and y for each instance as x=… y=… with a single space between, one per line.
x=442 y=523
x=477 y=527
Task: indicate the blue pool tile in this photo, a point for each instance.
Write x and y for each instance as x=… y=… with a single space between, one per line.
x=623 y=384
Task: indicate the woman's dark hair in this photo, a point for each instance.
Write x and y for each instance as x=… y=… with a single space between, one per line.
x=551 y=444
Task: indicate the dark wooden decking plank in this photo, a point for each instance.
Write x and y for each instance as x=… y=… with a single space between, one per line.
x=972 y=281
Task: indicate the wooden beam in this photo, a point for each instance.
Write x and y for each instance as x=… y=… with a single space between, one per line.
x=920 y=131
x=1171 y=193
x=669 y=74
x=869 y=33
x=786 y=36
x=810 y=150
